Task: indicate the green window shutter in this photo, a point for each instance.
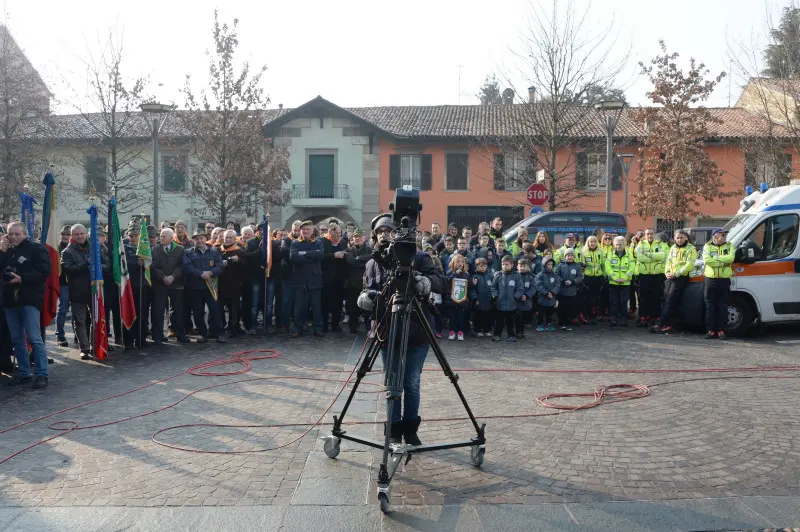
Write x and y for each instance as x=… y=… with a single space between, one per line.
x=427 y=172
x=616 y=174
x=499 y=170
x=394 y=172
x=581 y=170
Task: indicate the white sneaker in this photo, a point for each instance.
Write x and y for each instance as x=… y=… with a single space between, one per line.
x=479 y=335
x=452 y=335
x=460 y=336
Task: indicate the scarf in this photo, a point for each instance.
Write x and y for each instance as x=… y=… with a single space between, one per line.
x=83 y=247
x=234 y=247
x=335 y=243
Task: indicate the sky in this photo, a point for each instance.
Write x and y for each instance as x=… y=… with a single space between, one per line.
x=359 y=53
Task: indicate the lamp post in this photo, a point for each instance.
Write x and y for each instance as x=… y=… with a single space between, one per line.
x=156 y=109
x=611 y=109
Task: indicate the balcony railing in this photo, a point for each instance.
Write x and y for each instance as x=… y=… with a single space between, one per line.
x=304 y=192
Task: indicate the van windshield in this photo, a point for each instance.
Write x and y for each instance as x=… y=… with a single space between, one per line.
x=736 y=225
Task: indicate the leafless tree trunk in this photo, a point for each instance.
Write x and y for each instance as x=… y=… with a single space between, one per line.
x=117 y=133
x=565 y=60
x=24 y=123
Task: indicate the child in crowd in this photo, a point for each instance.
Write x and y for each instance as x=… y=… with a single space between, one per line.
x=480 y=293
x=547 y=287
x=525 y=303
x=459 y=310
x=499 y=252
x=507 y=289
x=571 y=275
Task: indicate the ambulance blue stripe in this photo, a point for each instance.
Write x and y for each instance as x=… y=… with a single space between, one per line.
x=789 y=207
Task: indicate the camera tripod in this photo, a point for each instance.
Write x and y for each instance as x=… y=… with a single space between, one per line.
x=404 y=305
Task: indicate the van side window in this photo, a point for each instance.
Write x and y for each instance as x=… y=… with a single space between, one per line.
x=776 y=236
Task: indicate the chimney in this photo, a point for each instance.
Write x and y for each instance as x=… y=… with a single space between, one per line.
x=531 y=94
x=508 y=96
x=280 y=106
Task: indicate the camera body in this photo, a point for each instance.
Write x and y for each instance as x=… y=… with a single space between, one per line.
x=8 y=274
x=398 y=254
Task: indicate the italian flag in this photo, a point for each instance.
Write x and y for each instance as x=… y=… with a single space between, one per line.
x=119 y=267
x=50 y=238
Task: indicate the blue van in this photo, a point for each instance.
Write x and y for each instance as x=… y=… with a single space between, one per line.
x=557 y=224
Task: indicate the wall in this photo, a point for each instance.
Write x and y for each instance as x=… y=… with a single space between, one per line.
x=355 y=166
x=481 y=184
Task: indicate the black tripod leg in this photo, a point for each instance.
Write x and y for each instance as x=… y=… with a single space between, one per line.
x=367 y=362
x=416 y=308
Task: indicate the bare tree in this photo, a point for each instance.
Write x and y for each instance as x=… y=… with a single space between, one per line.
x=233 y=166
x=771 y=92
x=24 y=123
x=565 y=59
x=116 y=154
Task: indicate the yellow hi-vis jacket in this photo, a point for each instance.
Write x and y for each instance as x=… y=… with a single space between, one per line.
x=593 y=262
x=651 y=258
x=680 y=261
x=619 y=270
x=718 y=260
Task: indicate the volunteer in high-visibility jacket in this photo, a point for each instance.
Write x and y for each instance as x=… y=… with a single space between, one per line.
x=607 y=247
x=619 y=269
x=651 y=256
x=570 y=242
x=680 y=262
x=594 y=277
x=718 y=257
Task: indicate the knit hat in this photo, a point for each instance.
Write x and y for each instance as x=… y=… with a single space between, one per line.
x=569 y=251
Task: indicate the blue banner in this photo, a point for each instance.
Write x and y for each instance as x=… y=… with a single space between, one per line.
x=95 y=264
x=27 y=216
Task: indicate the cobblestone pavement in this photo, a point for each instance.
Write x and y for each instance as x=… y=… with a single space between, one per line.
x=736 y=437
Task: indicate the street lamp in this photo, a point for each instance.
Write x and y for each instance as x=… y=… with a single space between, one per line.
x=611 y=109
x=156 y=109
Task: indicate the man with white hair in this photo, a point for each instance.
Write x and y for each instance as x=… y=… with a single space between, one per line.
x=167 y=271
x=75 y=260
x=24 y=266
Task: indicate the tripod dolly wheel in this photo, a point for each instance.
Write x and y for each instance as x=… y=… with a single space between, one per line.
x=476 y=455
x=383 y=500
x=331 y=447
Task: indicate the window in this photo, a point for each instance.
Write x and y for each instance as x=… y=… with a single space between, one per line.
x=776 y=237
x=456 y=171
x=173 y=168
x=596 y=171
x=321 y=175
x=410 y=169
x=669 y=226
x=774 y=170
x=96 y=176
x=512 y=172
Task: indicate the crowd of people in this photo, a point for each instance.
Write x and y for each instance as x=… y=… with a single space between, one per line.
x=215 y=283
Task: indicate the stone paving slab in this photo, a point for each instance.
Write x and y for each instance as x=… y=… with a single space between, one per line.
x=689 y=439
x=683 y=515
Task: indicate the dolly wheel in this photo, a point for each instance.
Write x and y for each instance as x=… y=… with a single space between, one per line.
x=383 y=500
x=476 y=455
x=332 y=447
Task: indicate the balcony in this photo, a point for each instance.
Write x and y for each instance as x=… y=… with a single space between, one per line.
x=320 y=196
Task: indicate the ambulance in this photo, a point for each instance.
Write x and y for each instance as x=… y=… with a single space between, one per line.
x=765 y=288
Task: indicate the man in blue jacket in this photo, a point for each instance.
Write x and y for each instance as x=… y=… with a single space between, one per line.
x=306 y=255
x=202 y=265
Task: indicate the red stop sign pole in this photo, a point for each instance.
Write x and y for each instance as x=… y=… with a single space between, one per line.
x=538 y=194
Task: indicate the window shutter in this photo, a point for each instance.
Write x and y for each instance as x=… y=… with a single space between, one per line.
x=581 y=170
x=616 y=174
x=750 y=169
x=394 y=172
x=786 y=168
x=499 y=167
x=427 y=172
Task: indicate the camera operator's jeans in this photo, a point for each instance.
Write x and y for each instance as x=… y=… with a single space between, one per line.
x=415 y=359
x=61 y=315
x=22 y=322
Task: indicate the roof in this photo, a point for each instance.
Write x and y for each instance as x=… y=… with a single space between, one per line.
x=435 y=122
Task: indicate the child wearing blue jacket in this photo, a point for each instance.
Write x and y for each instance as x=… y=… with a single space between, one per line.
x=507 y=289
x=548 y=285
x=480 y=293
x=525 y=303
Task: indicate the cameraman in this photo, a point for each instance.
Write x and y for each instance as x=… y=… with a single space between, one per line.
x=25 y=266
x=427 y=279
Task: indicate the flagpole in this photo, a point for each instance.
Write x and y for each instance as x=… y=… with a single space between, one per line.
x=116 y=243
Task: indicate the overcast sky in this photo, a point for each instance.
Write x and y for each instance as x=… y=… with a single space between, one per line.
x=359 y=52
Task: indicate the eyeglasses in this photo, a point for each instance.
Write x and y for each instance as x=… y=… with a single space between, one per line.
x=384 y=231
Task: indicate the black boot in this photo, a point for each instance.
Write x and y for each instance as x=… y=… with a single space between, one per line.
x=396 y=432
x=410 y=428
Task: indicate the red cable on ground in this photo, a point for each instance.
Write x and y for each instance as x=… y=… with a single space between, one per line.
x=244 y=359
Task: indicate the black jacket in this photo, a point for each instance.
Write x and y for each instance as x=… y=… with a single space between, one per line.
x=135 y=270
x=255 y=262
x=332 y=268
x=62 y=279
x=166 y=264
x=284 y=257
x=31 y=262
x=75 y=260
x=306 y=258
x=375 y=277
x=356 y=259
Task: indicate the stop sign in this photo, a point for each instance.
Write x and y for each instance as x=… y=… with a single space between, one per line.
x=538 y=194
